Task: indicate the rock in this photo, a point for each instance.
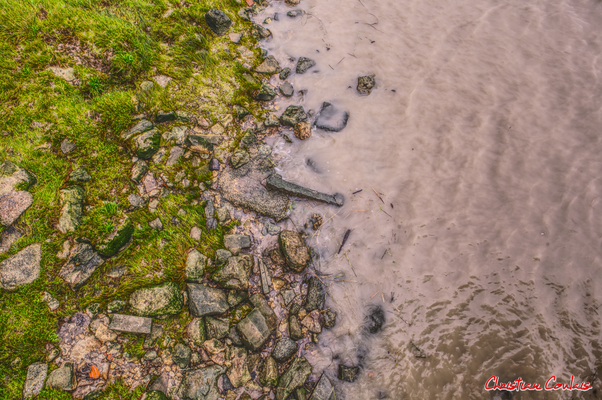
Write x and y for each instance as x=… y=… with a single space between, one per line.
x=50 y=301
x=292 y=2
x=264 y=275
x=221 y=257
x=303 y=64
x=253 y=330
x=235 y=37
x=9 y=236
x=295 y=13
x=120 y=236
x=294 y=377
x=177 y=134
x=162 y=80
x=197 y=332
x=146 y=86
x=195 y=233
x=195 y=266
x=181 y=355
x=217 y=328
x=136 y=202
x=348 y=374
x=36 y=376
x=331 y=118
x=198 y=144
x=141 y=126
x=163 y=116
x=63 y=73
x=96 y=395
x=286 y=89
x=259 y=32
x=264 y=308
x=147 y=144
x=201 y=384
x=294 y=328
x=62 y=378
x=175 y=155
x=241 y=112
x=235 y=274
x=323 y=390
x=223 y=215
x=284 y=73
x=214 y=164
x=300 y=393
x=156 y=224
x=269 y=373
x=365 y=84
x=164 y=299
x=239 y=158
x=13 y=177
x=238 y=373
x=80 y=266
x=235 y=243
x=313 y=321
x=293 y=115
x=288 y=296
x=316 y=294
x=266 y=93
x=130 y=323
x=294 y=249
x=12 y=205
x=271 y=121
x=115 y=306
x=205 y=300
x=149 y=356
x=375 y=319
x=268 y=66
x=21 y=269
x=284 y=349
x=73 y=208
x=218 y=22
x=303 y=130
x=235 y=297
x=80 y=175
x=330 y=319
x=156 y=395
x=104 y=334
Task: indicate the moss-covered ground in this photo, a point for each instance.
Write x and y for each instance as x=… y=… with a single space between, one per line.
x=113 y=46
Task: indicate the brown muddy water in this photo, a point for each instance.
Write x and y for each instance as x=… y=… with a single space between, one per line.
x=482 y=137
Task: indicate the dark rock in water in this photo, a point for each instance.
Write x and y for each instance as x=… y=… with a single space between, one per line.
x=294 y=249
x=165 y=117
x=365 y=84
x=348 y=374
x=214 y=164
x=323 y=390
x=276 y=182
x=294 y=377
x=293 y=115
x=284 y=349
x=259 y=32
x=330 y=319
x=218 y=21
x=316 y=294
x=331 y=118
x=303 y=64
x=285 y=73
x=268 y=66
x=375 y=319
x=295 y=13
x=266 y=93
x=286 y=89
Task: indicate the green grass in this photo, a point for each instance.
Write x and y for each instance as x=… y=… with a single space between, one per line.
x=113 y=46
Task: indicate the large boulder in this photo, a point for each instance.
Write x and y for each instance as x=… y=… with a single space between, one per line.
x=294 y=377
x=120 y=236
x=80 y=266
x=22 y=268
x=204 y=300
x=235 y=274
x=218 y=21
x=201 y=384
x=73 y=208
x=294 y=249
x=164 y=299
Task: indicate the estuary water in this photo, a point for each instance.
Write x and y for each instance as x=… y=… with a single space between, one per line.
x=478 y=229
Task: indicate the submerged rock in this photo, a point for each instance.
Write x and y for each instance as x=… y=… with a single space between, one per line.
x=22 y=268
x=287 y=89
x=294 y=377
x=164 y=299
x=330 y=319
x=365 y=84
x=218 y=21
x=268 y=66
x=303 y=64
x=295 y=13
x=375 y=319
x=331 y=118
x=294 y=249
x=276 y=182
x=285 y=73
x=80 y=266
x=259 y=32
x=348 y=374
x=293 y=115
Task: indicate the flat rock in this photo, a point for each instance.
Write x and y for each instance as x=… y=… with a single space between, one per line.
x=67 y=146
x=266 y=93
x=80 y=175
x=62 y=378
x=131 y=323
x=198 y=144
x=269 y=373
x=323 y=390
x=316 y=295
x=13 y=177
x=293 y=115
x=239 y=158
x=73 y=208
x=195 y=266
x=36 y=376
x=294 y=377
x=276 y=182
x=201 y=384
x=365 y=84
x=204 y=300
x=253 y=330
x=217 y=328
x=235 y=243
x=140 y=127
x=235 y=273
x=284 y=73
x=147 y=144
x=264 y=308
x=175 y=155
x=22 y=268
x=284 y=349
x=164 y=299
x=63 y=73
x=331 y=118
x=139 y=170
x=347 y=373
x=238 y=372
x=269 y=66
x=80 y=266
x=303 y=64
x=8 y=237
x=294 y=249
x=286 y=89
x=235 y=37
x=197 y=331
x=218 y=21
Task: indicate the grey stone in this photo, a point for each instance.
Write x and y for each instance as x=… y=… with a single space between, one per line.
x=313 y=321
x=216 y=328
x=201 y=384
x=238 y=372
x=164 y=299
x=284 y=349
x=303 y=64
x=174 y=156
x=294 y=328
x=197 y=331
x=239 y=158
x=287 y=89
x=63 y=73
x=218 y=21
x=235 y=337
x=266 y=93
x=80 y=266
x=195 y=266
x=146 y=86
x=235 y=297
x=162 y=80
x=268 y=66
x=9 y=236
x=294 y=250
x=156 y=224
x=241 y=112
x=140 y=127
x=331 y=118
x=271 y=120
x=294 y=377
x=213 y=164
x=348 y=374
x=269 y=372
x=13 y=177
x=235 y=243
x=295 y=13
x=276 y=182
x=67 y=146
x=115 y=306
x=137 y=202
x=316 y=294
x=147 y=144
x=50 y=301
x=139 y=169
x=264 y=275
x=149 y=355
x=204 y=300
x=264 y=308
x=80 y=175
x=365 y=84
x=198 y=144
x=62 y=378
x=288 y=296
x=272 y=229
x=130 y=323
x=253 y=330
x=22 y=268
x=259 y=32
x=323 y=390
x=163 y=116
x=235 y=274
x=177 y=134
x=195 y=233
x=221 y=257
x=235 y=37
x=293 y=115
x=285 y=73
x=151 y=338
x=73 y=208
x=223 y=215
x=181 y=355
x=36 y=376
x=118 y=239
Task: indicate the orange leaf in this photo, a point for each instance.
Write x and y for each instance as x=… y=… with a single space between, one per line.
x=94 y=373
